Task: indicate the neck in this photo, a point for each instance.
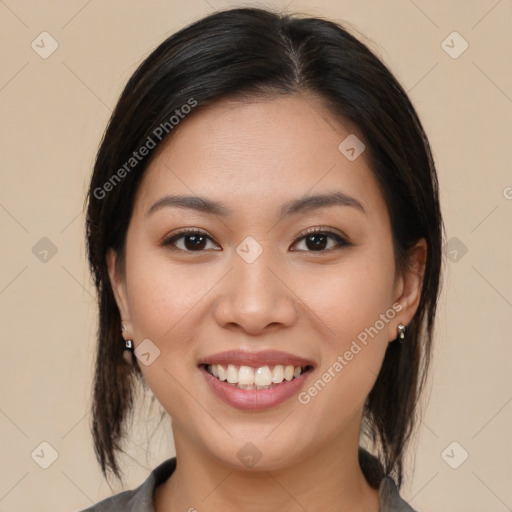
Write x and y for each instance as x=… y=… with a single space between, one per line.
x=328 y=480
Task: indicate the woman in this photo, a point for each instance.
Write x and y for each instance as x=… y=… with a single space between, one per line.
x=264 y=230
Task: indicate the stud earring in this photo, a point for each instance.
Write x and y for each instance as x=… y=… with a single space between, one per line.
x=128 y=347
x=401 y=332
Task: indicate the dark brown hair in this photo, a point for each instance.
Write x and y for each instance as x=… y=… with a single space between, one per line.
x=254 y=53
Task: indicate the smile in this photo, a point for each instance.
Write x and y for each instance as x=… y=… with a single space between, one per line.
x=263 y=377
x=255 y=397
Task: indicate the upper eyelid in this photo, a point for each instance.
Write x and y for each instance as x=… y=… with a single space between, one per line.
x=321 y=230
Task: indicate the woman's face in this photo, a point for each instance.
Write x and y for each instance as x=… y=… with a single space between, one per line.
x=256 y=282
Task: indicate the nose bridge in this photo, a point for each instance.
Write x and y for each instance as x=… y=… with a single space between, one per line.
x=253 y=274
x=253 y=297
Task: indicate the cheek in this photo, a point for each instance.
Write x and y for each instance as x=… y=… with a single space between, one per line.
x=355 y=303
x=161 y=294
x=162 y=300
x=350 y=297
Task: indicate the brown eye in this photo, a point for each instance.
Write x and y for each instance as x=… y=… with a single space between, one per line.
x=317 y=240
x=194 y=240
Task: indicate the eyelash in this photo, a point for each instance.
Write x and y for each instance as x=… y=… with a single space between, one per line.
x=342 y=242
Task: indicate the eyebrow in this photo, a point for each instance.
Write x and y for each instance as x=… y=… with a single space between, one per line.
x=305 y=203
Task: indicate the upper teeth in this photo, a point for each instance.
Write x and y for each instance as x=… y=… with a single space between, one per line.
x=262 y=376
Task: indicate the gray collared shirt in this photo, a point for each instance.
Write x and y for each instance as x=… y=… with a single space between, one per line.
x=141 y=498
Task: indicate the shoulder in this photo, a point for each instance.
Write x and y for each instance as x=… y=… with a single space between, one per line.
x=139 y=499
x=389 y=497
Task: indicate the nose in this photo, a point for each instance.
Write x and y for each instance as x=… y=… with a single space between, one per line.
x=255 y=298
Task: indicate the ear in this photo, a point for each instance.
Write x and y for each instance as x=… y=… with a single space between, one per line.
x=408 y=286
x=118 y=286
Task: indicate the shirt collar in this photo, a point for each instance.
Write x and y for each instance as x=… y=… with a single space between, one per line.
x=141 y=499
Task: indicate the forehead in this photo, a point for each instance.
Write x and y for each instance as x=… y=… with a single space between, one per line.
x=272 y=150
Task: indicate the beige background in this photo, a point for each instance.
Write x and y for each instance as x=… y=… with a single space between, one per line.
x=53 y=112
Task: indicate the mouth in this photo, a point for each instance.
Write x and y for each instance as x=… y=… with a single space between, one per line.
x=255 y=378
x=255 y=381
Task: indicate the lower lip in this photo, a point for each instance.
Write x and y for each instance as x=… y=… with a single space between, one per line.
x=255 y=399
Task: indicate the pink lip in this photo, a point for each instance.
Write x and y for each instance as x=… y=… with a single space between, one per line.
x=254 y=399
x=255 y=359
